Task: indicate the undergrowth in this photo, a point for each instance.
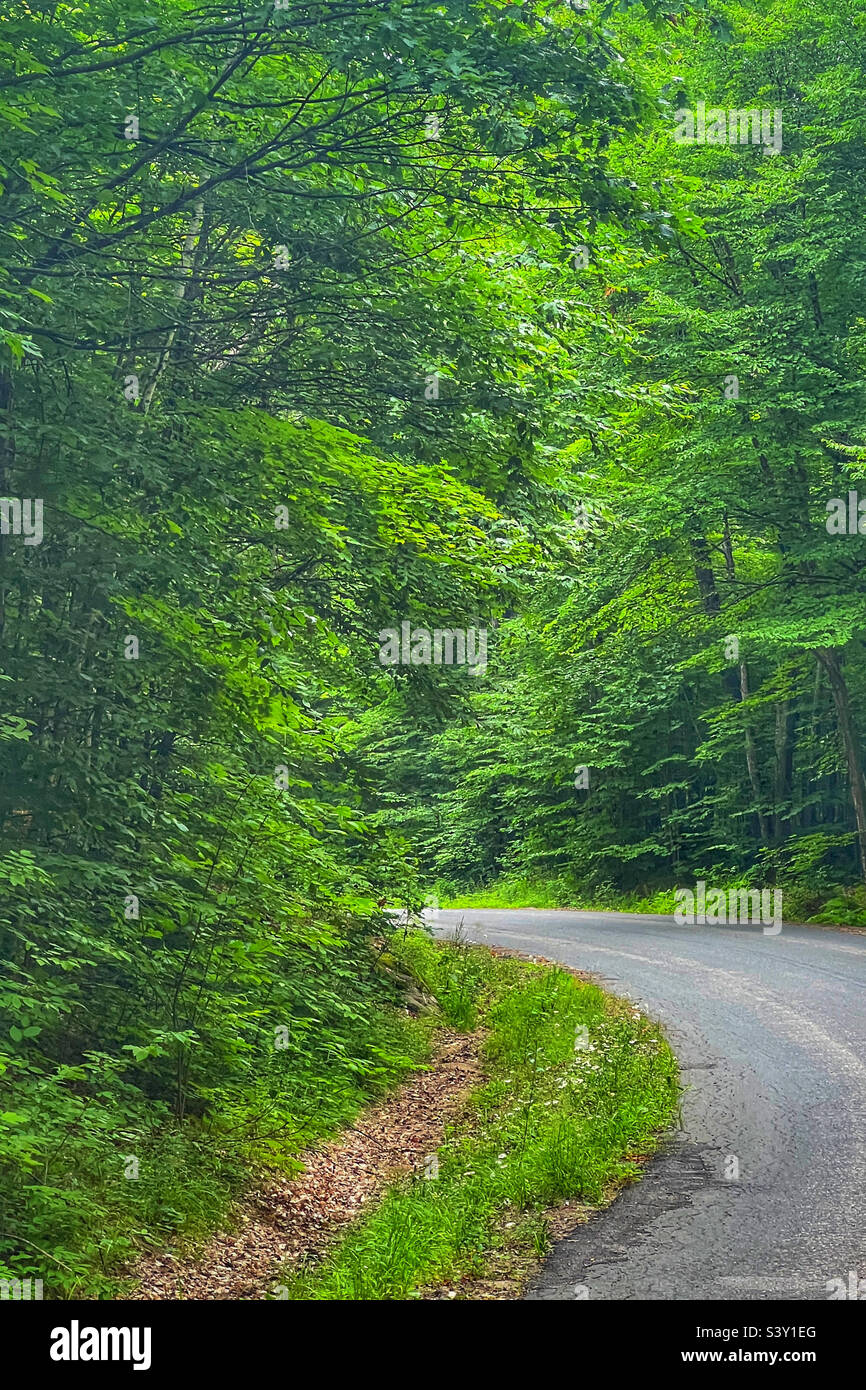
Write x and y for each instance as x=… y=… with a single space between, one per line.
x=579 y=1086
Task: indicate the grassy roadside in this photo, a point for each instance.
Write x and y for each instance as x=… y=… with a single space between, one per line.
x=96 y=1189
x=843 y=906
x=556 y=893
x=579 y=1086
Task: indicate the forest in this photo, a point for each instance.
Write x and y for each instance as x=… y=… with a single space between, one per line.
x=431 y=450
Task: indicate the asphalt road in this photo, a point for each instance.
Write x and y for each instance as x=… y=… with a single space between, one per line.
x=770 y=1032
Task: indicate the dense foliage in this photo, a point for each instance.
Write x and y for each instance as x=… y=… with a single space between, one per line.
x=681 y=693
x=578 y=1085
x=326 y=315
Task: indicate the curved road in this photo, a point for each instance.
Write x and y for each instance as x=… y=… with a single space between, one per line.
x=770 y=1032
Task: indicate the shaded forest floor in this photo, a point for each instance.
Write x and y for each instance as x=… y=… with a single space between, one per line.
x=295 y=1220
x=542 y=1096
x=842 y=908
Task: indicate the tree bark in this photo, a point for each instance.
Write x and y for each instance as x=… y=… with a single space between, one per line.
x=786 y=731
x=751 y=746
x=752 y=767
x=187 y=265
x=830 y=660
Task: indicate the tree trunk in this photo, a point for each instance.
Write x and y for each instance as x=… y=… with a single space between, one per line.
x=829 y=659
x=752 y=760
x=187 y=266
x=786 y=730
x=748 y=733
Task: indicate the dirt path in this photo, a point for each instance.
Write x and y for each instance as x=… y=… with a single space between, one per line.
x=294 y=1219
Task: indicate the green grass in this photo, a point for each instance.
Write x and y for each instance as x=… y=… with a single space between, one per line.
x=520 y=892
x=831 y=905
x=79 y=1216
x=579 y=1085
